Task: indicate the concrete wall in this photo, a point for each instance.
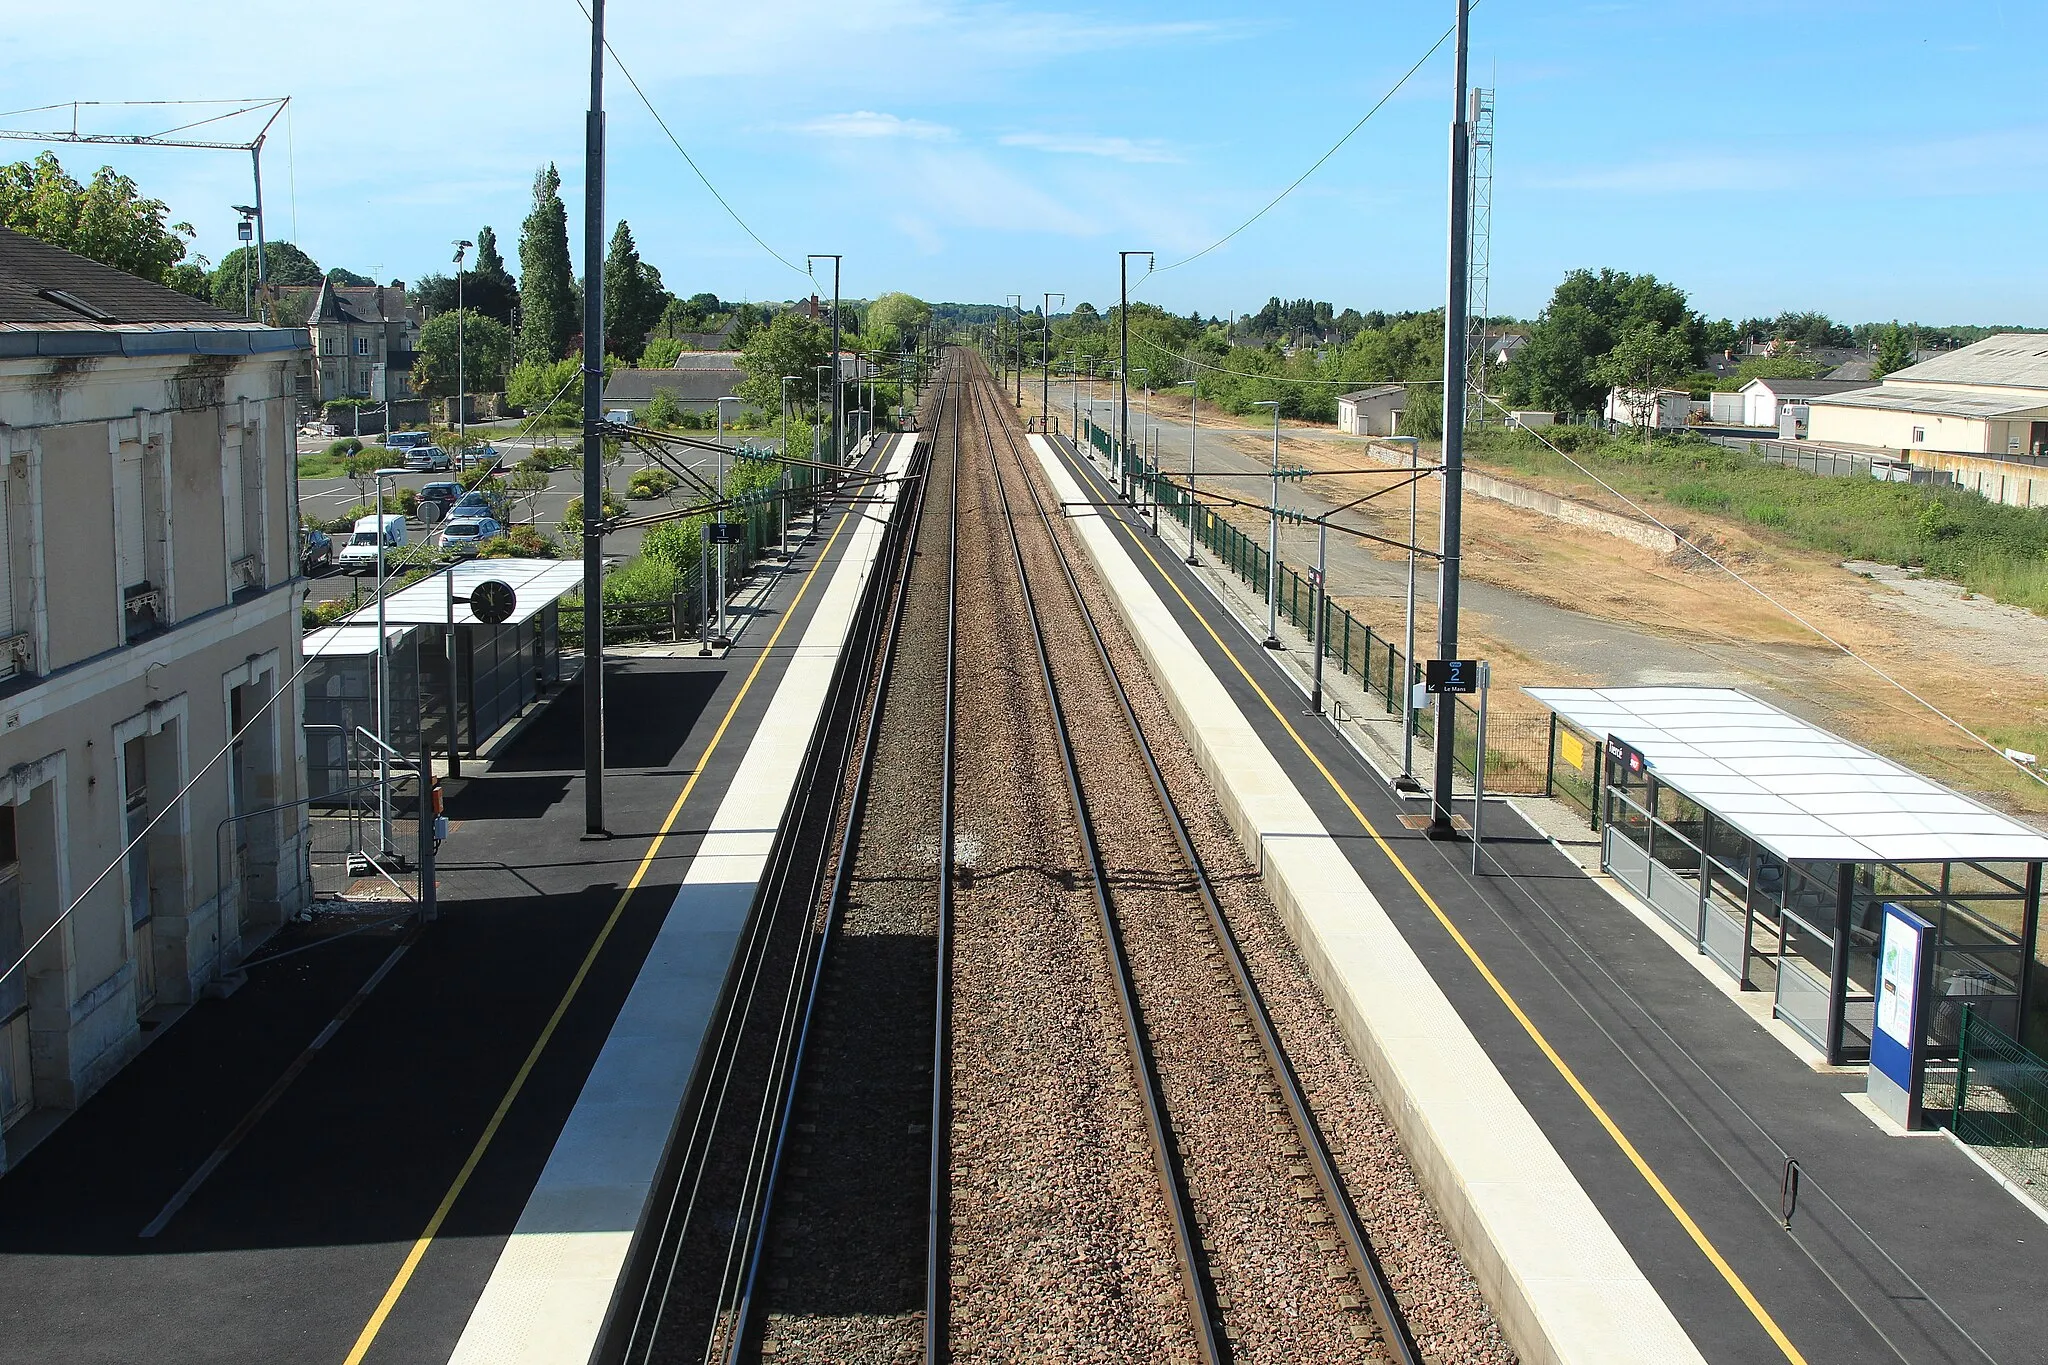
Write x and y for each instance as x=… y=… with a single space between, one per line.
x=64 y=429
x=1643 y=533
x=2014 y=484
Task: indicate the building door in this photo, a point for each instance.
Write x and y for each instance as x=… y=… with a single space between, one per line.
x=2037 y=439
x=17 y=1090
x=135 y=798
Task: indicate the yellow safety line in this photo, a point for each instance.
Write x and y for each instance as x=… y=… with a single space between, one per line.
x=483 y=1142
x=1628 y=1149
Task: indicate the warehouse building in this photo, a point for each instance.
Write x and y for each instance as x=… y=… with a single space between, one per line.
x=1987 y=400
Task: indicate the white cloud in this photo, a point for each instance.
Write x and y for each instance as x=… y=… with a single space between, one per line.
x=866 y=123
x=1114 y=148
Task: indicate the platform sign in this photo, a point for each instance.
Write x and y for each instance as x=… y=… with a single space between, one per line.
x=725 y=532
x=1451 y=675
x=1898 y=1043
x=1626 y=757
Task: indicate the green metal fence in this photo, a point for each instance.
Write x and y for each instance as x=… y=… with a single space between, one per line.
x=2000 y=1101
x=1517 y=748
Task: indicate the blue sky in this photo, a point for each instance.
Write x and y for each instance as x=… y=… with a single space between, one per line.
x=1870 y=159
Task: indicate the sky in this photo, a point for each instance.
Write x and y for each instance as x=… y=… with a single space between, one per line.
x=1870 y=159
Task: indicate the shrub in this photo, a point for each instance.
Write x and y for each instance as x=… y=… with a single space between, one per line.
x=314 y=615
x=678 y=543
x=610 y=505
x=642 y=579
x=522 y=542
x=661 y=410
x=345 y=447
x=650 y=483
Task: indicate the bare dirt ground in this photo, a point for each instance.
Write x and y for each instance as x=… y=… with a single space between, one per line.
x=1982 y=663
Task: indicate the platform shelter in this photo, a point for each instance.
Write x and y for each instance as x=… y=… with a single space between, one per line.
x=1773 y=845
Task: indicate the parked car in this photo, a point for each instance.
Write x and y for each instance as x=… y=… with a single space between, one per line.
x=466 y=534
x=436 y=499
x=431 y=459
x=478 y=502
x=316 y=550
x=369 y=540
x=407 y=440
x=481 y=454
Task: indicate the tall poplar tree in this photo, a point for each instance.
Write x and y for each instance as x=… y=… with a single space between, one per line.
x=547 y=299
x=489 y=287
x=633 y=296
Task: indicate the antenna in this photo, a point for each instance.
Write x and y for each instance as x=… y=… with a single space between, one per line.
x=1480 y=225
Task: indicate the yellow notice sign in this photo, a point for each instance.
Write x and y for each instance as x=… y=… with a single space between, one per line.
x=1571 y=750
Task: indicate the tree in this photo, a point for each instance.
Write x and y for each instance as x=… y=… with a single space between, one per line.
x=339 y=275
x=285 y=264
x=1646 y=358
x=486 y=353
x=361 y=470
x=1585 y=319
x=1894 y=351
x=633 y=296
x=661 y=409
x=790 y=344
x=547 y=318
x=746 y=320
x=107 y=220
x=191 y=277
x=523 y=486
x=660 y=353
x=489 y=287
x=893 y=315
x=534 y=387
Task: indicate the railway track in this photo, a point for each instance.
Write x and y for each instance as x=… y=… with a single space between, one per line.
x=1036 y=1108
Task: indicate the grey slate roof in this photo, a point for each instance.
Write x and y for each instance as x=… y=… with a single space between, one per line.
x=700 y=388
x=29 y=267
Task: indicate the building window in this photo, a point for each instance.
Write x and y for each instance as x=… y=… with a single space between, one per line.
x=328 y=346
x=362 y=345
x=1919 y=435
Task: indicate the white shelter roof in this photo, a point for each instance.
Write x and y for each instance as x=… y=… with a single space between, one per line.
x=349 y=640
x=534 y=583
x=1792 y=787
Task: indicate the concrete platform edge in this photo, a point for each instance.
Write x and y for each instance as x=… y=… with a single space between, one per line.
x=1564 y=1288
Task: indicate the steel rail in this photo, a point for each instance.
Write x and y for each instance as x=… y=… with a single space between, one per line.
x=877 y=674
x=1210 y=1337
x=1357 y=1244
x=938 y=1210
x=699 y=1120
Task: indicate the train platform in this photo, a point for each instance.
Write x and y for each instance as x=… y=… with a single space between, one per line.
x=395 y=1134
x=1605 y=1130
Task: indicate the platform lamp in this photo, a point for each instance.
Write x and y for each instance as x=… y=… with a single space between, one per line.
x=383 y=679
x=461 y=416
x=1272 y=640
x=724 y=640
x=244 y=231
x=782 y=541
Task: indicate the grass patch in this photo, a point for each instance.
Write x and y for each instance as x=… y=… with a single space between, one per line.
x=1987 y=547
x=321 y=465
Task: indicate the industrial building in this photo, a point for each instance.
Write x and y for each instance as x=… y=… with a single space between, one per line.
x=1988 y=399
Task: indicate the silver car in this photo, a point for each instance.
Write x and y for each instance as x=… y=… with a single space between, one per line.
x=465 y=535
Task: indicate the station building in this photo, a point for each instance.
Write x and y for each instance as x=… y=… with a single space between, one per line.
x=148 y=636
x=1773 y=847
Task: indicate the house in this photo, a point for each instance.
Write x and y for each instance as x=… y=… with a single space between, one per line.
x=149 y=630
x=1763 y=399
x=1989 y=399
x=1664 y=409
x=1372 y=412
x=716 y=339
x=1502 y=349
x=364 y=338
x=694 y=388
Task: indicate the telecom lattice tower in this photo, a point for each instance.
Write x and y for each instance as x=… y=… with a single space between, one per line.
x=1479 y=223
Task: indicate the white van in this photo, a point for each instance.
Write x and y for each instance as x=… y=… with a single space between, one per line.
x=360 y=554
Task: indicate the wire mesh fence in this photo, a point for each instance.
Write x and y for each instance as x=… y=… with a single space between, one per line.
x=1998 y=1101
x=1517 y=744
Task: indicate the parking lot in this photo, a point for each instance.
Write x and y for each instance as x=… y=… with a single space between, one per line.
x=322 y=500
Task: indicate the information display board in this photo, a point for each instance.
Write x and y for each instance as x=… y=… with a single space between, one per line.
x=1898 y=1043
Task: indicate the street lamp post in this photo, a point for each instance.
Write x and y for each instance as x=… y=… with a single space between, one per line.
x=782 y=540
x=837 y=387
x=383 y=680
x=1123 y=327
x=1045 y=360
x=245 y=230
x=461 y=416
x=724 y=641
x=1194 y=506
x=1273 y=534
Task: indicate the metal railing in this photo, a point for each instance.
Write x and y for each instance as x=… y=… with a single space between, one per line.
x=1999 y=1103
x=1517 y=746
